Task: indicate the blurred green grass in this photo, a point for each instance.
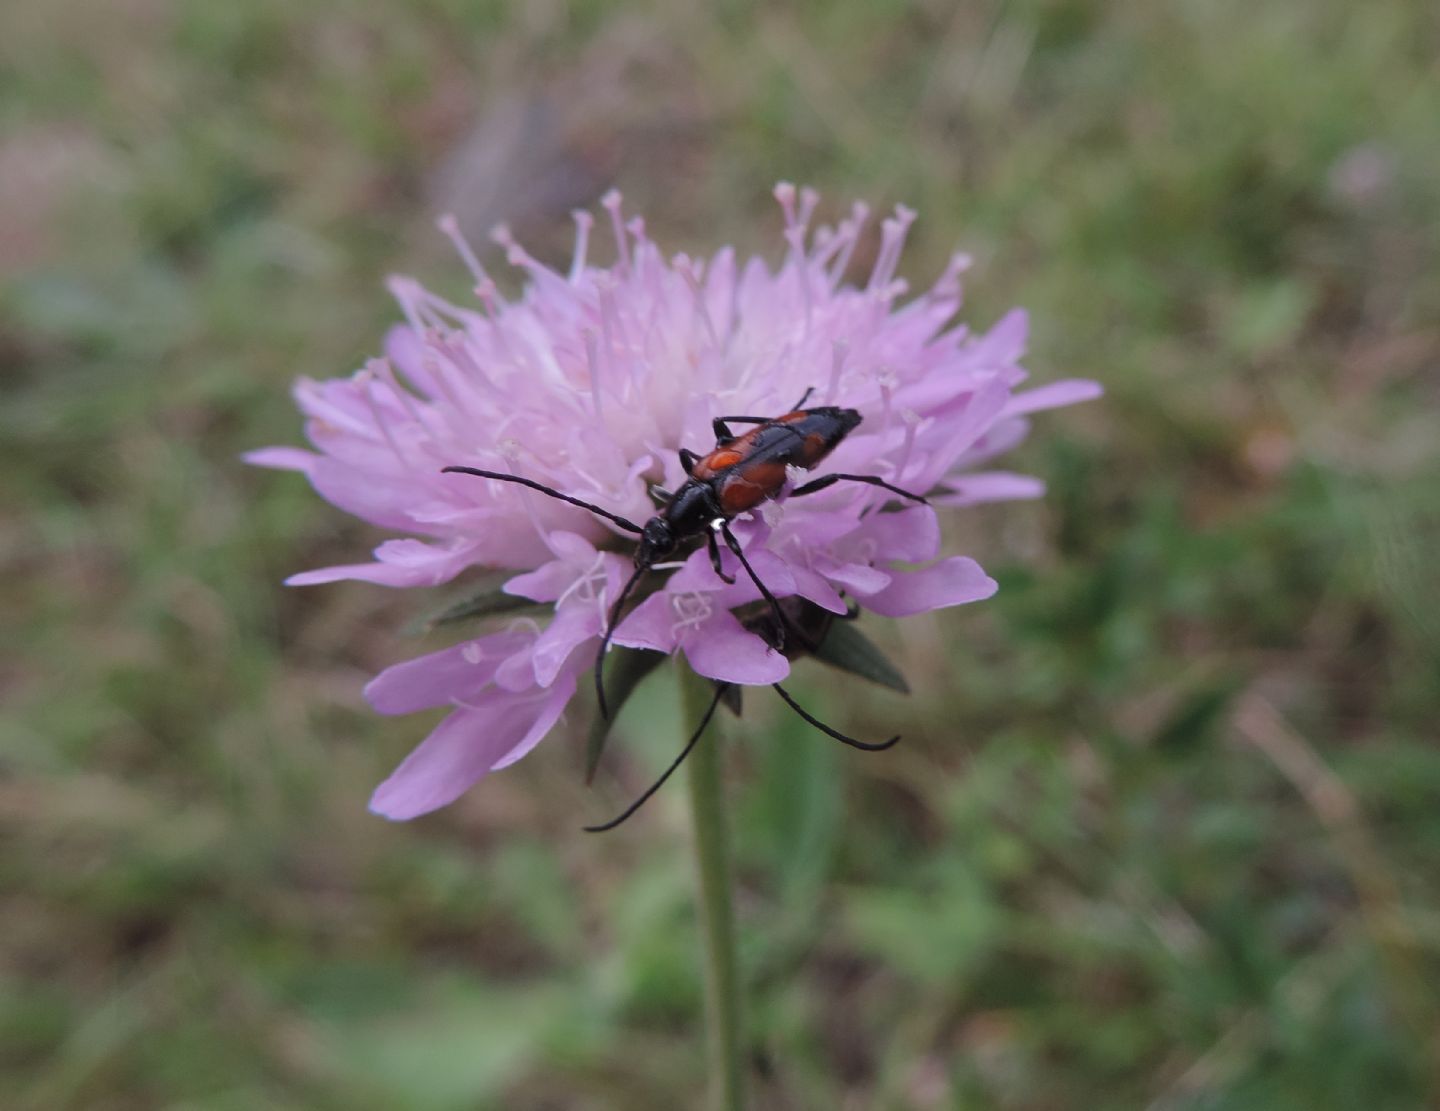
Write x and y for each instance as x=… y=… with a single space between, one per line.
x=1163 y=833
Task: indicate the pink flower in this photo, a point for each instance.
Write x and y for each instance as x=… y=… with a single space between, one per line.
x=590 y=383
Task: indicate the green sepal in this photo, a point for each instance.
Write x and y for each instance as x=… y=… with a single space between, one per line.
x=484 y=599
x=622 y=676
x=847 y=648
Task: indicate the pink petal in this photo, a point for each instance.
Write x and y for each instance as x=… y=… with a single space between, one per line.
x=380 y=498
x=464 y=747
x=981 y=411
x=572 y=625
x=698 y=575
x=407 y=354
x=545 y=583
x=911 y=536
x=652 y=624
x=1004 y=343
x=281 y=458
x=400 y=563
x=998 y=439
x=441 y=677
x=975 y=489
x=951 y=582
x=814 y=588
x=859 y=577
x=1066 y=392
x=722 y=649
x=560 y=695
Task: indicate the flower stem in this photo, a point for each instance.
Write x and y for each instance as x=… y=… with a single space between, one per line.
x=717 y=921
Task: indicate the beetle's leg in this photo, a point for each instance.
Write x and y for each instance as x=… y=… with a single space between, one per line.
x=867 y=746
x=803 y=398
x=723 y=435
x=869 y=479
x=688 y=459
x=715 y=557
x=782 y=623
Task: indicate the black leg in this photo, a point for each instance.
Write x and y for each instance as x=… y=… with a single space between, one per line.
x=866 y=746
x=723 y=435
x=803 y=398
x=869 y=480
x=687 y=459
x=715 y=557
x=782 y=623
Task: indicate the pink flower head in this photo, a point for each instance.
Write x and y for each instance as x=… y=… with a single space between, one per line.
x=590 y=383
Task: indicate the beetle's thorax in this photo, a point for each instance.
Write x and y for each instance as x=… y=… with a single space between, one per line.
x=691 y=510
x=687 y=514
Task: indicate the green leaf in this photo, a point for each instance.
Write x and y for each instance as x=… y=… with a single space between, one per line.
x=621 y=678
x=1194 y=721
x=484 y=599
x=847 y=648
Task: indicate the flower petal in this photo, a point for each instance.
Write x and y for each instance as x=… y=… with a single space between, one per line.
x=722 y=649
x=400 y=563
x=859 y=577
x=652 y=624
x=573 y=625
x=911 y=536
x=465 y=746
x=814 y=588
x=560 y=694
x=281 y=458
x=380 y=498
x=407 y=354
x=975 y=489
x=951 y=582
x=440 y=677
x=1067 y=391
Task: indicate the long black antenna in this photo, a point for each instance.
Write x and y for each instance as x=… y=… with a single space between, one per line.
x=610 y=632
x=627 y=525
x=720 y=689
x=820 y=725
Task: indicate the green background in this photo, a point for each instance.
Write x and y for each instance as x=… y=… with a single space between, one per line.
x=1163 y=831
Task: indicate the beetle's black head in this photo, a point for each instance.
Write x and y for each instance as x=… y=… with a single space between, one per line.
x=657 y=540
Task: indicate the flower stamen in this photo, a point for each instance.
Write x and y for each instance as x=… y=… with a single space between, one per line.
x=583 y=223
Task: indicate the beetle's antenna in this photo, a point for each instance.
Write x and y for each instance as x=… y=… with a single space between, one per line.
x=627 y=525
x=820 y=725
x=609 y=632
x=720 y=689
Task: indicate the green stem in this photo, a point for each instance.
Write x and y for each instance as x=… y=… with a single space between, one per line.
x=717 y=921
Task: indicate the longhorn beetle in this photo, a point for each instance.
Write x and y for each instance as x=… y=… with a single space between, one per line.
x=738 y=474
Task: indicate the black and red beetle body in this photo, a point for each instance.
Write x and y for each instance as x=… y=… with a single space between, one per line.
x=735 y=476
x=738 y=474
x=741 y=472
